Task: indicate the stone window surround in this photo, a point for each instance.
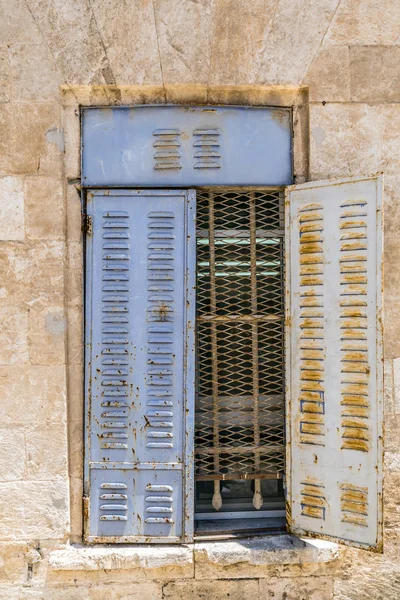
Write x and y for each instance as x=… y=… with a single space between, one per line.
x=233 y=558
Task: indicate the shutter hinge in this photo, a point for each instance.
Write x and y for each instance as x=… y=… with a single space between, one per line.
x=88 y=224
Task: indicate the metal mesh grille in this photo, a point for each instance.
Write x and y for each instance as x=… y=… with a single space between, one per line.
x=239 y=395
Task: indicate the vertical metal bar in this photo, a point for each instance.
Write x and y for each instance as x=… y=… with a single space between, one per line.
x=217 y=499
x=257 y=499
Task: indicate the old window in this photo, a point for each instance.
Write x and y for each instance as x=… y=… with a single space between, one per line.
x=192 y=294
x=239 y=408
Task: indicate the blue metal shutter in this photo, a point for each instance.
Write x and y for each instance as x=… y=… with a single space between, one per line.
x=140 y=366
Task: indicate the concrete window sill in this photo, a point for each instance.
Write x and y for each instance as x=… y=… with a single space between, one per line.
x=258 y=556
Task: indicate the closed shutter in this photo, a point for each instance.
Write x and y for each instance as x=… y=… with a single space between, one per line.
x=334 y=360
x=140 y=366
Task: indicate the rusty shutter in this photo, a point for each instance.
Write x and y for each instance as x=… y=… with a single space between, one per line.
x=334 y=359
x=139 y=366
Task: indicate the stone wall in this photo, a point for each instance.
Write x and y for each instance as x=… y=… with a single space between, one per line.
x=54 y=52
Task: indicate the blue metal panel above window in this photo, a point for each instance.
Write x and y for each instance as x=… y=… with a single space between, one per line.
x=181 y=146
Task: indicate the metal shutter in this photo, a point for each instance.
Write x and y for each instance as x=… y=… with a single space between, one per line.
x=140 y=365
x=334 y=359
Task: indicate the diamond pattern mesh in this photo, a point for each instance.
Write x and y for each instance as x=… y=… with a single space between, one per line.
x=239 y=392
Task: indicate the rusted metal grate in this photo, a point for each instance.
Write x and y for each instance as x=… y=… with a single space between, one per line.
x=240 y=377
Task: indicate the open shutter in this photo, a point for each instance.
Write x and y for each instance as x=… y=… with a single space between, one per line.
x=140 y=366
x=334 y=360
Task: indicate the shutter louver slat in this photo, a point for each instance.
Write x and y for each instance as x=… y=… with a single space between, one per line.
x=334 y=360
x=138 y=352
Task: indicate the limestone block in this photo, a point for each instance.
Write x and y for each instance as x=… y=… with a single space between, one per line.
x=12 y=225
x=75 y=448
x=310 y=588
x=396 y=385
x=370 y=583
x=265 y=557
x=47 y=331
x=40 y=512
x=291 y=40
x=128 y=591
x=375 y=73
x=129 y=35
x=138 y=591
x=184 y=37
x=46 y=452
x=392 y=461
x=76 y=508
x=345 y=140
x=71 y=32
x=32 y=273
x=392 y=428
x=186 y=94
x=329 y=75
x=21 y=593
x=237 y=39
x=5 y=75
x=27 y=140
x=72 y=129
x=35 y=76
x=33 y=394
x=75 y=335
x=74 y=274
x=120 y=563
x=388 y=390
x=365 y=22
x=12 y=454
x=13 y=335
x=391 y=506
x=74 y=214
x=44 y=208
x=75 y=376
x=211 y=590
x=12 y=563
x=17 y=26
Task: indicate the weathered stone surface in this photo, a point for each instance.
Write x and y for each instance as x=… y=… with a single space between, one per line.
x=12 y=225
x=12 y=454
x=12 y=563
x=211 y=590
x=13 y=336
x=396 y=385
x=17 y=26
x=32 y=274
x=24 y=147
x=312 y=588
x=184 y=36
x=135 y=563
x=129 y=35
x=346 y=139
x=44 y=208
x=75 y=336
x=265 y=557
x=72 y=35
x=329 y=75
x=5 y=75
x=74 y=274
x=41 y=511
x=375 y=74
x=365 y=22
x=35 y=76
x=47 y=336
x=32 y=394
x=291 y=41
x=74 y=214
x=46 y=452
x=237 y=39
